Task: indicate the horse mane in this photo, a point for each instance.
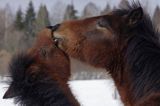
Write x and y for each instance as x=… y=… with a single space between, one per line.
x=142 y=55
x=34 y=90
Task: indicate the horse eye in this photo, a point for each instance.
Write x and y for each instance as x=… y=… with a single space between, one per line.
x=103 y=23
x=56 y=40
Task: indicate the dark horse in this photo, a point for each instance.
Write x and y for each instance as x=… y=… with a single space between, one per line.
x=40 y=75
x=125 y=43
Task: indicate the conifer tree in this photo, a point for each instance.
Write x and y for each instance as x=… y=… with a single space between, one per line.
x=19 y=20
x=106 y=10
x=42 y=19
x=70 y=13
x=29 y=24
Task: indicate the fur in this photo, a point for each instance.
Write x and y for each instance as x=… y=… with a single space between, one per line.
x=126 y=44
x=40 y=75
x=37 y=89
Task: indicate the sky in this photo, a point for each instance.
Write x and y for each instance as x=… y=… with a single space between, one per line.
x=79 y=4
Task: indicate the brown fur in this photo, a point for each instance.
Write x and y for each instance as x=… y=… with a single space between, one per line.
x=56 y=64
x=83 y=47
x=103 y=42
x=86 y=41
x=59 y=69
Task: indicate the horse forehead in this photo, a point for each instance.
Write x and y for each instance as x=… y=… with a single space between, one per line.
x=85 y=21
x=88 y=22
x=80 y=27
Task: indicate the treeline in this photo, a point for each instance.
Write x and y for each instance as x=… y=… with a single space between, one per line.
x=18 y=30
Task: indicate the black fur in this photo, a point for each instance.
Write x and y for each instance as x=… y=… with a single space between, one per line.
x=142 y=55
x=34 y=89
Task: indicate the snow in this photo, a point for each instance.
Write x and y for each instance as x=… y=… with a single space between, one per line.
x=95 y=93
x=88 y=93
x=7 y=102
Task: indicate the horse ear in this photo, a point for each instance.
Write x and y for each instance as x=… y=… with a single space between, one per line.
x=135 y=16
x=9 y=93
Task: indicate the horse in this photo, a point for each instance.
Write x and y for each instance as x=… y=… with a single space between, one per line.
x=125 y=43
x=40 y=75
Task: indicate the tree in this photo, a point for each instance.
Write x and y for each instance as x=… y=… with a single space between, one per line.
x=42 y=19
x=2 y=28
x=156 y=18
x=19 y=24
x=5 y=57
x=57 y=14
x=11 y=38
x=90 y=10
x=123 y=4
x=70 y=12
x=29 y=23
x=9 y=17
x=6 y=18
x=106 y=10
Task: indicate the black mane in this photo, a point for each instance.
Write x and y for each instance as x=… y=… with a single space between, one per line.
x=142 y=55
x=37 y=89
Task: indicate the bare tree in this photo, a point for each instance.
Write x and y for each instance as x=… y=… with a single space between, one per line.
x=2 y=28
x=83 y=71
x=4 y=61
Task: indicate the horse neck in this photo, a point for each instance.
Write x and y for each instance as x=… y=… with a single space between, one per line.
x=133 y=66
x=116 y=66
x=142 y=57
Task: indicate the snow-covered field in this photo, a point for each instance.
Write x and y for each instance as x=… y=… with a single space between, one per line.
x=88 y=92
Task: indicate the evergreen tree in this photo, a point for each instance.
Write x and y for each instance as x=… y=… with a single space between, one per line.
x=30 y=19
x=106 y=10
x=29 y=24
x=19 y=20
x=156 y=17
x=42 y=19
x=70 y=13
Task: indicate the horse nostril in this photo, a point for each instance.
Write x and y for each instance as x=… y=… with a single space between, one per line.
x=54 y=28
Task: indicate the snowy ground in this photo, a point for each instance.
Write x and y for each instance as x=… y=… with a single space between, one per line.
x=88 y=92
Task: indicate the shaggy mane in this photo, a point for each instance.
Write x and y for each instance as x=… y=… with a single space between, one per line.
x=41 y=90
x=142 y=55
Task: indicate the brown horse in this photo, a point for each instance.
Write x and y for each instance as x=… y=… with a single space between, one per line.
x=40 y=76
x=125 y=43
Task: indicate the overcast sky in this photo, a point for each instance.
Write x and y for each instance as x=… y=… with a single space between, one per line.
x=79 y=4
